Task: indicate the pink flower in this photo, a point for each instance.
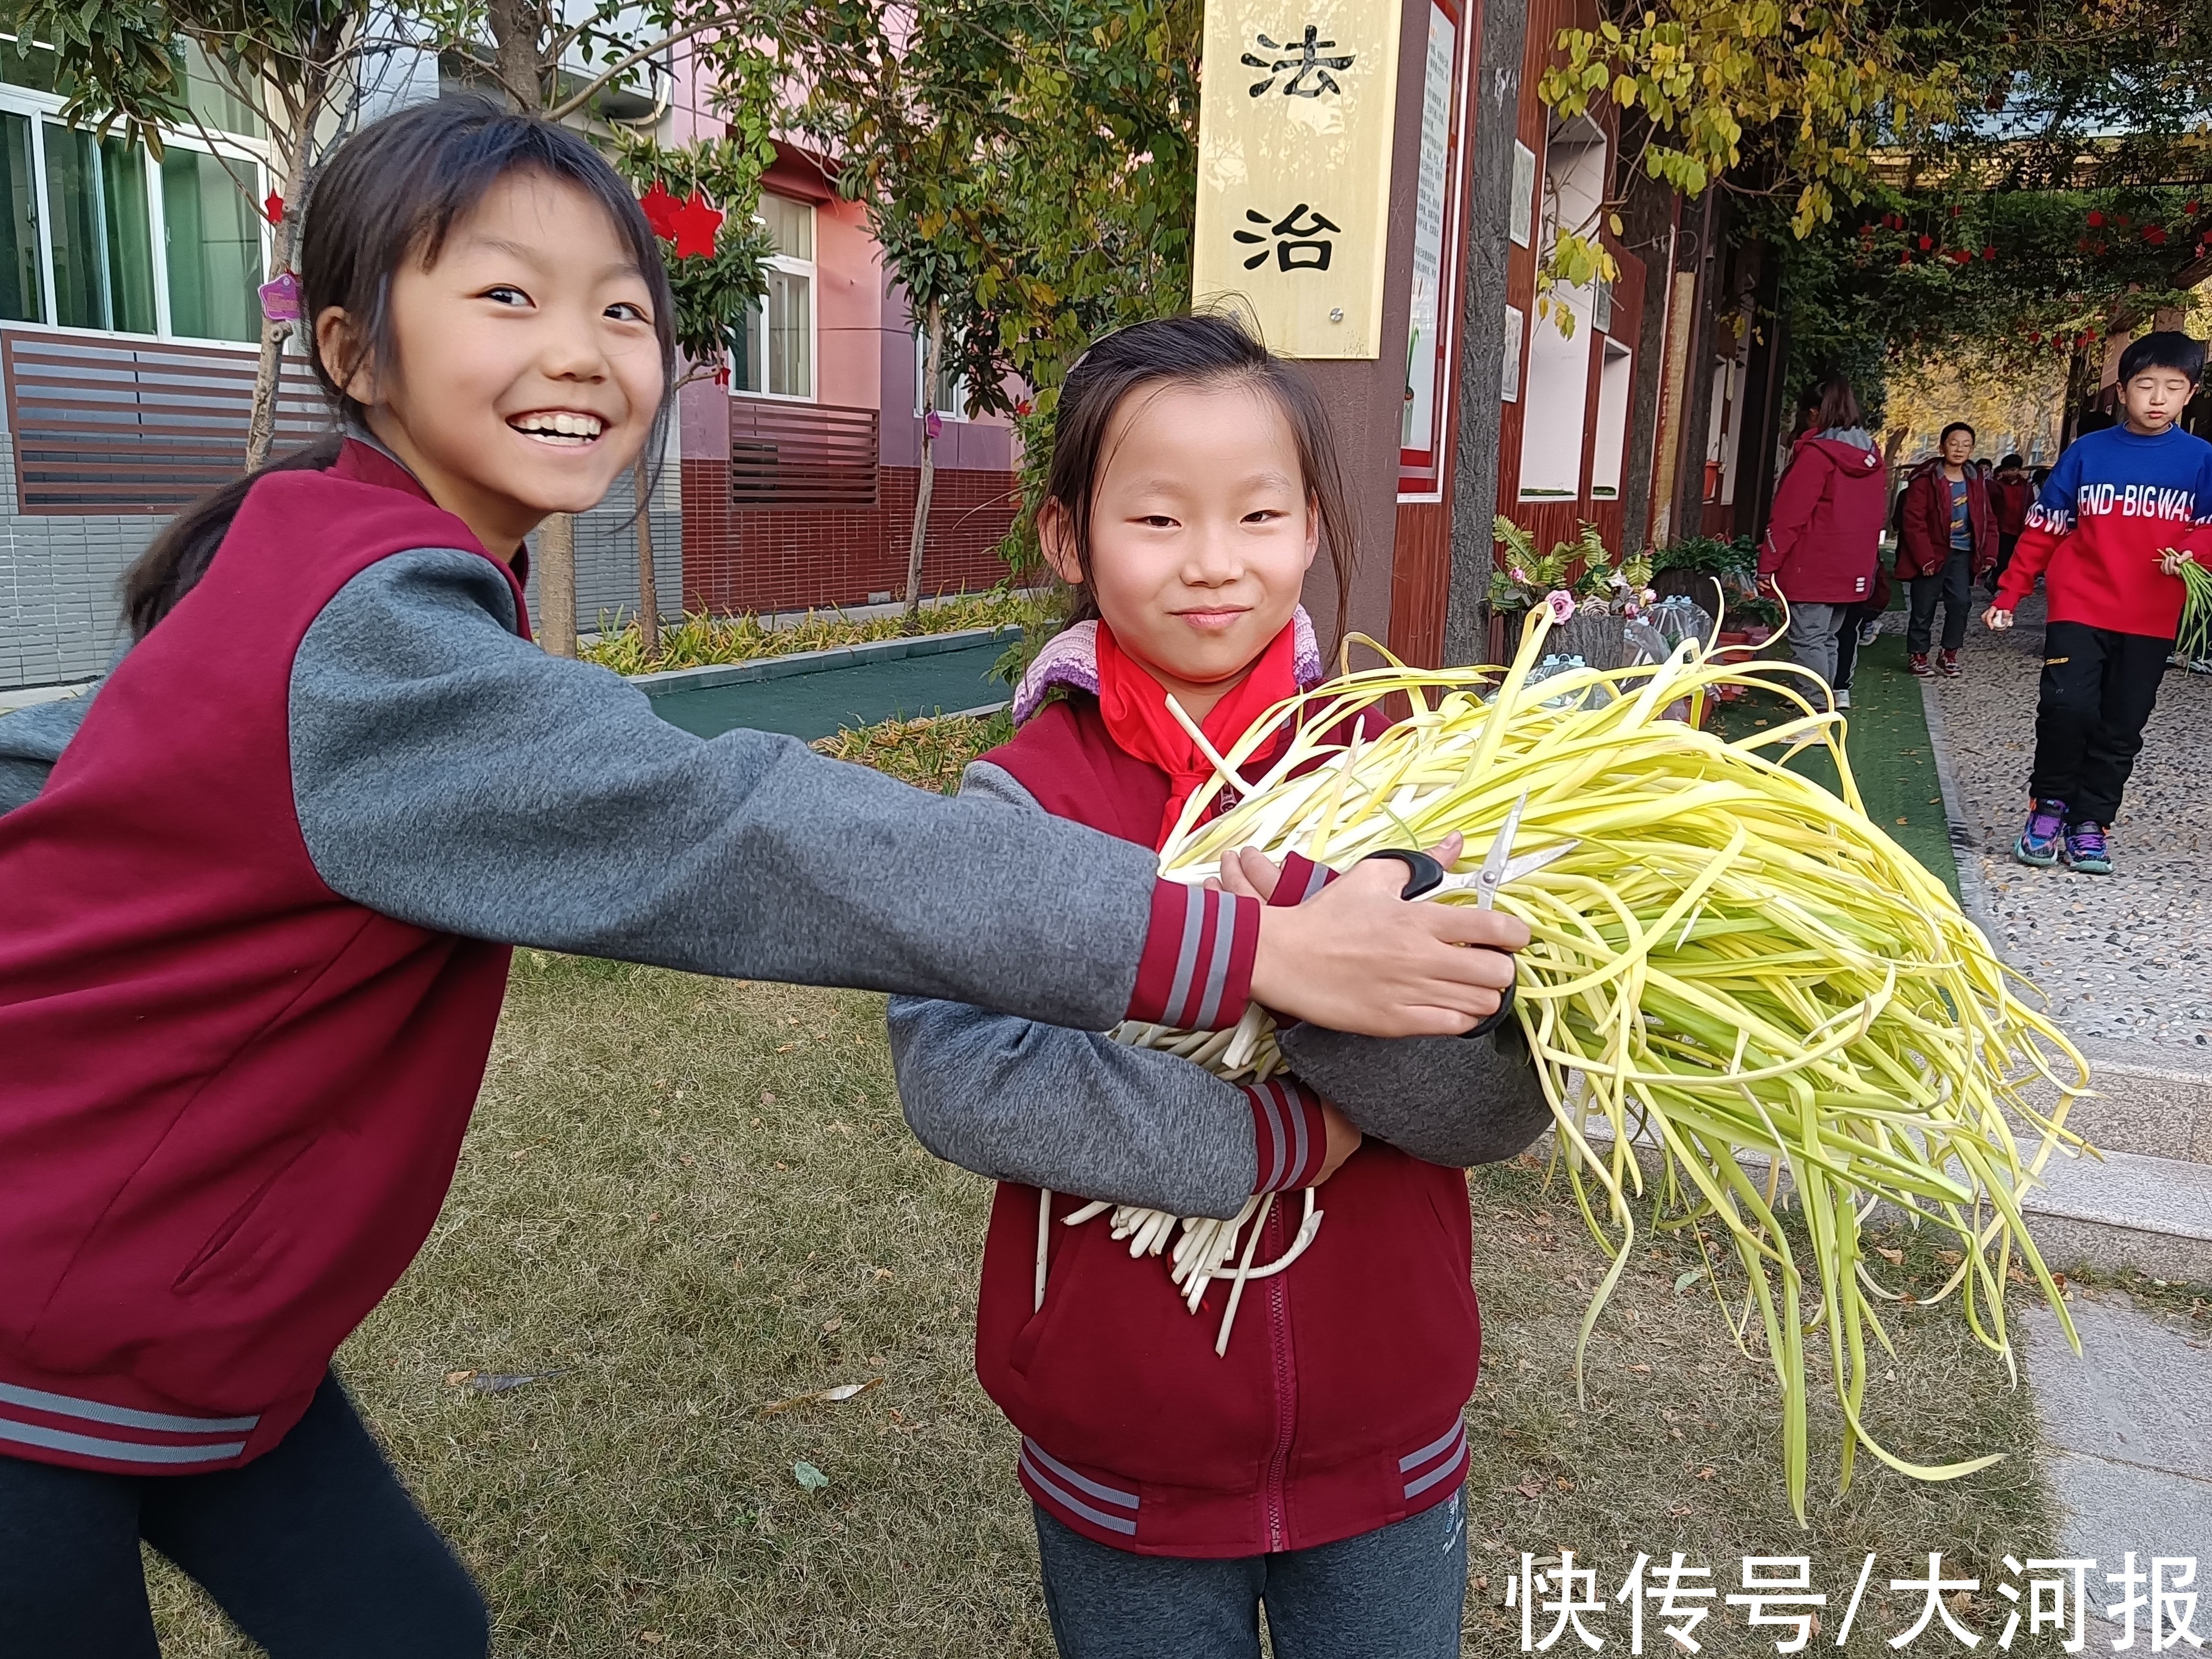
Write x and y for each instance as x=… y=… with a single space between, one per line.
x=1561 y=603
x=1520 y=576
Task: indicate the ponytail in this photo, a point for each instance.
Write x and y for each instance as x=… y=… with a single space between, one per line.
x=180 y=554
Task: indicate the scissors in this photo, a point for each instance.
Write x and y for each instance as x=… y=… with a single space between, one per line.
x=1425 y=877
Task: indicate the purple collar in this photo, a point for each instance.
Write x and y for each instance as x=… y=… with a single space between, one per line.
x=1070 y=658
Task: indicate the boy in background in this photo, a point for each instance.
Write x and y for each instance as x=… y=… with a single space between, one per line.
x=2103 y=536
x=1947 y=537
x=2010 y=494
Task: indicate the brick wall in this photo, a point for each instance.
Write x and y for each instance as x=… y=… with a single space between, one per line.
x=766 y=559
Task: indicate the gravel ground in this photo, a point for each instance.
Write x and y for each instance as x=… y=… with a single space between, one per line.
x=2125 y=957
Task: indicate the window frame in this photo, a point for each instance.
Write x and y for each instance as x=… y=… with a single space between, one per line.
x=41 y=107
x=808 y=269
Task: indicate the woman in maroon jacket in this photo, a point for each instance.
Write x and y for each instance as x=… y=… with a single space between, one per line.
x=1949 y=537
x=1823 y=535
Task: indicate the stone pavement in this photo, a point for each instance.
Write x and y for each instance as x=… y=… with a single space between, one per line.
x=2127 y=1431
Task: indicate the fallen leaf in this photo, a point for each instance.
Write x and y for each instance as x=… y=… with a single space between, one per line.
x=1527 y=1491
x=1641 y=1370
x=809 y=1477
x=1895 y=1258
x=454 y=1379
x=830 y=1325
x=843 y=1391
x=767 y=1100
x=650 y=1637
x=785 y=1047
x=1684 y=1280
x=1901 y=820
x=1564 y=1484
x=655 y=1217
x=881 y=1272
x=1678 y=1510
x=1705 y=1474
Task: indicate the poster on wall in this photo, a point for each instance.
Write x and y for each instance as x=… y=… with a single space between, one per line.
x=1424 y=430
x=1509 y=391
x=1522 y=223
x=1295 y=120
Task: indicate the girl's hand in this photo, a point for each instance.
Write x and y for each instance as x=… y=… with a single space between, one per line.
x=1996 y=620
x=1249 y=873
x=1357 y=958
x=2172 y=559
x=1344 y=1139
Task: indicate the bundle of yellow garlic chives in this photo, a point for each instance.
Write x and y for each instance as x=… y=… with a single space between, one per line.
x=1735 y=973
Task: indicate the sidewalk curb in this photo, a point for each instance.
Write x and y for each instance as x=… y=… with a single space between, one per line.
x=1965 y=850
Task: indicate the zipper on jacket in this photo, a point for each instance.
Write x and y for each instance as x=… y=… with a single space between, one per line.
x=1285 y=1370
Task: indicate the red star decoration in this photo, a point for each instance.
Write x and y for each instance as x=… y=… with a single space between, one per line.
x=1927 y=242
x=2155 y=235
x=273 y=209
x=695 y=226
x=1989 y=254
x=660 y=209
x=2096 y=219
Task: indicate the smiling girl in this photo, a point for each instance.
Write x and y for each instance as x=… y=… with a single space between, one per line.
x=260 y=890
x=1315 y=1466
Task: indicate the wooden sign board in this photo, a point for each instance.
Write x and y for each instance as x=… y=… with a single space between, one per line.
x=1296 y=117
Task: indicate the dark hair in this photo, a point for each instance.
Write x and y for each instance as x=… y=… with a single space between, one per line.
x=1207 y=350
x=393 y=193
x=2165 y=348
x=1955 y=426
x=2013 y=460
x=1830 y=404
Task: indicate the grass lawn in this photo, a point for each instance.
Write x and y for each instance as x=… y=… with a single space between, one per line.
x=685 y=1200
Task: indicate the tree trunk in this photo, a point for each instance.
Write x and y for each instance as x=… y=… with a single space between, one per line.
x=292 y=153
x=1483 y=344
x=648 y=598
x=516 y=29
x=556 y=584
x=933 y=349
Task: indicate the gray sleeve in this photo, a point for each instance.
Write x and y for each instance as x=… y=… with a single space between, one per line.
x=450 y=773
x=31 y=740
x=1450 y=1100
x=1070 y=1110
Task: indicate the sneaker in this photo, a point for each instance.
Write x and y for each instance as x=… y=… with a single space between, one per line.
x=1921 y=671
x=1947 y=665
x=2039 y=838
x=1843 y=696
x=2086 y=850
x=1870 y=630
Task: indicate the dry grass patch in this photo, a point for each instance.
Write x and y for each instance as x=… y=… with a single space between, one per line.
x=684 y=1200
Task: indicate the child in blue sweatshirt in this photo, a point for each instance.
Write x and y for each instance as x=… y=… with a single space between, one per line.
x=2108 y=535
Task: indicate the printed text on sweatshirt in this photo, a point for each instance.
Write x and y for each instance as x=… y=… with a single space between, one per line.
x=2114 y=502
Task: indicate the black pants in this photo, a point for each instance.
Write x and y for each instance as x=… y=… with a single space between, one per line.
x=2098 y=688
x=1954 y=586
x=314 y=1549
x=1856 y=616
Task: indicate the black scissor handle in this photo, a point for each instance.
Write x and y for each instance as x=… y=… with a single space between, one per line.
x=1425 y=875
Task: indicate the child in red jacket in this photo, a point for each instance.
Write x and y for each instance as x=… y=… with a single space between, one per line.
x=1947 y=538
x=1315 y=1464
x=2122 y=508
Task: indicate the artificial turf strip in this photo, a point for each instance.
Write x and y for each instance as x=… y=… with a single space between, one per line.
x=683 y=1200
x=1887 y=738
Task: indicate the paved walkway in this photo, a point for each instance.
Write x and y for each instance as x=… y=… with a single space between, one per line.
x=2127 y=958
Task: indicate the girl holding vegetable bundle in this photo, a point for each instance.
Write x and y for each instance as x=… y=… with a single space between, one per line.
x=1314 y=1463
x=260 y=887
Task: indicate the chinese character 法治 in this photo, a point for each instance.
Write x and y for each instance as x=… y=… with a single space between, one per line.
x=1309 y=71
x=1300 y=246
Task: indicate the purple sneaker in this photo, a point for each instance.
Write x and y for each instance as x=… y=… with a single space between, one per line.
x=2039 y=840
x=2086 y=850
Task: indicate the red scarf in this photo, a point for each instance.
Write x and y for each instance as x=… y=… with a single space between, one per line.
x=1135 y=708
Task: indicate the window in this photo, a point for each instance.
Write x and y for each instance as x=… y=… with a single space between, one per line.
x=103 y=248
x=214 y=240
x=1615 y=379
x=91 y=238
x=773 y=354
x=952 y=399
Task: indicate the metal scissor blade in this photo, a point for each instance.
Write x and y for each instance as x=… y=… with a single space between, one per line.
x=1529 y=863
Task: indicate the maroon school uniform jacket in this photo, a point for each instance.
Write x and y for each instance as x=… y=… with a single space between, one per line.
x=1824 y=533
x=1336 y=1409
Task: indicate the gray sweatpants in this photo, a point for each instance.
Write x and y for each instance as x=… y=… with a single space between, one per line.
x=1394 y=1593
x=1813 y=638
